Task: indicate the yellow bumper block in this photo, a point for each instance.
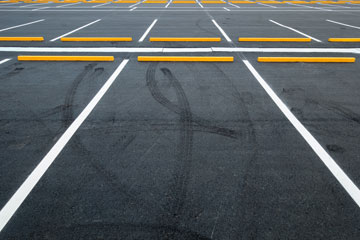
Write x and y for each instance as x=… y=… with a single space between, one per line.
x=274 y=39
x=21 y=39
x=183 y=59
x=307 y=59
x=344 y=40
x=95 y=39
x=67 y=58
x=154 y=39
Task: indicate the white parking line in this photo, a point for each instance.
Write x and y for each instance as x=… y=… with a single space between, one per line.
x=267 y=5
x=36 y=9
x=75 y=30
x=332 y=5
x=21 y=25
x=199 y=4
x=292 y=29
x=66 y=5
x=221 y=30
x=31 y=5
x=329 y=162
x=24 y=190
x=135 y=4
x=133 y=9
x=5 y=60
x=167 y=5
x=159 y=50
x=347 y=25
x=226 y=9
x=103 y=4
x=322 y=9
x=147 y=31
x=233 y=5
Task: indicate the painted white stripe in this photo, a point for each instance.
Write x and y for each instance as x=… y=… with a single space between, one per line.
x=75 y=30
x=323 y=9
x=266 y=5
x=103 y=4
x=347 y=25
x=200 y=4
x=5 y=60
x=329 y=162
x=32 y=4
x=292 y=29
x=24 y=190
x=332 y=5
x=221 y=30
x=135 y=4
x=133 y=9
x=233 y=5
x=66 y=5
x=39 y=8
x=187 y=50
x=226 y=9
x=147 y=31
x=167 y=5
x=25 y=24
x=159 y=50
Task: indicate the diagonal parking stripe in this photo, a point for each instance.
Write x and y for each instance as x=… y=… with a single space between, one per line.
x=330 y=163
x=24 y=190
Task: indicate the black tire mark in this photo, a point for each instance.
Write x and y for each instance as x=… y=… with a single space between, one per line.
x=160 y=98
x=248 y=139
x=184 y=155
x=13 y=72
x=77 y=144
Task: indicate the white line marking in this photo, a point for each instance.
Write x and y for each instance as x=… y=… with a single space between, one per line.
x=31 y=5
x=159 y=50
x=200 y=4
x=5 y=60
x=70 y=4
x=267 y=5
x=24 y=190
x=329 y=162
x=221 y=30
x=133 y=9
x=168 y=4
x=226 y=9
x=75 y=30
x=333 y=5
x=342 y=24
x=147 y=31
x=103 y=4
x=25 y=24
x=233 y=5
x=292 y=29
x=322 y=9
x=135 y=4
x=39 y=8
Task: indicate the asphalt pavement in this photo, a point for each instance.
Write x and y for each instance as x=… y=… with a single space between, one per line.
x=179 y=150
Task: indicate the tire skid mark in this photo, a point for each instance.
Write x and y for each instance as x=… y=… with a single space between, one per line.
x=184 y=151
x=77 y=144
x=160 y=98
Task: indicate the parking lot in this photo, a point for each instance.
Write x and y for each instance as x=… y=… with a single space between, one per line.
x=159 y=149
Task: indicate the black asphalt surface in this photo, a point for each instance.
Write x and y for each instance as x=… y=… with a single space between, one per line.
x=180 y=150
